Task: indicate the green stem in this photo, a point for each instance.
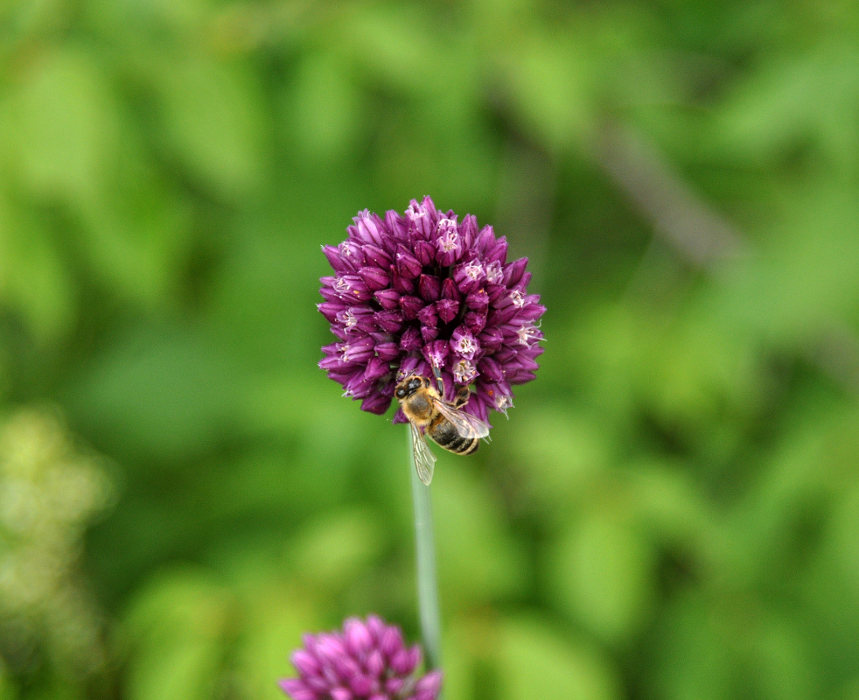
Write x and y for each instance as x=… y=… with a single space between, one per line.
x=430 y=616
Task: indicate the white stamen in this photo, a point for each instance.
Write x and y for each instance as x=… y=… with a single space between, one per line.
x=464 y=372
x=528 y=334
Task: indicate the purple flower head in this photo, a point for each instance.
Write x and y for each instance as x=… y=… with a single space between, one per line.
x=368 y=660
x=423 y=290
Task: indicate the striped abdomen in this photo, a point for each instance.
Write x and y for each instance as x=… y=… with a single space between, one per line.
x=444 y=433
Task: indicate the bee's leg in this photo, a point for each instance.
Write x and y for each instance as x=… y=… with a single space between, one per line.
x=437 y=372
x=462 y=396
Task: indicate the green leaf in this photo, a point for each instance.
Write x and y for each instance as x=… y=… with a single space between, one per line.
x=65 y=126
x=163 y=392
x=478 y=560
x=274 y=618
x=534 y=660
x=176 y=627
x=332 y=552
x=729 y=644
x=547 y=85
x=600 y=571
x=213 y=122
x=35 y=279
x=325 y=106
x=805 y=276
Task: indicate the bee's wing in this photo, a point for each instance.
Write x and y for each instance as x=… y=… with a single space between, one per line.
x=424 y=458
x=466 y=425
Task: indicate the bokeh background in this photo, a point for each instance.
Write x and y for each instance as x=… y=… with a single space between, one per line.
x=671 y=510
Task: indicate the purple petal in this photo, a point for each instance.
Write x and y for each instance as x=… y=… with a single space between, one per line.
x=429 y=686
x=305 y=663
x=513 y=272
x=477 y=300
x=362 y=685
x=463 y=343
x=402 y=284
x=376 y=369
x=387 y=351
x=373 y=255
x=401 y=662
x=376 y=626
x=338 y=262
x=469 y=276
x=490 y=369
x=475 y=322
x=297 y=690
x=393 y=686
x=484 y=241
x=330 y=310
x=396 y=224
x=375 y=663
x=428 y=316
x=389 y=321
x=407 y=264
x=346 y=668
x=387 y=298
x=425 y=253
x=449 y=290
x=375 y=277
x=448 y=242
x=436 y=352
x=532 y=311
x=429 y=287
x=491 y=339
x=447 y=309
x=497 y=250
x=410 y=341
x=369 y=227
x=357 y=350
x=498 y=317
x=464 y=372
x=468 y=231
x=391 y=641
x=420 y=217
x=376 y=403
x=410 y=306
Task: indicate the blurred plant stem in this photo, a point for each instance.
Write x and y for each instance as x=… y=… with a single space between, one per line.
x=700 y=234
x=430 y=617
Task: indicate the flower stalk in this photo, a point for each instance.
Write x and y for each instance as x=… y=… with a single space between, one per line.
x=427 y=581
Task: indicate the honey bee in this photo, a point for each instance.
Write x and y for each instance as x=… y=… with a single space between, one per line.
x=443 y=421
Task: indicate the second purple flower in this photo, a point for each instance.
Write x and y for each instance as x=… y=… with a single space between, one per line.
x=367 y=660
x=420 y=290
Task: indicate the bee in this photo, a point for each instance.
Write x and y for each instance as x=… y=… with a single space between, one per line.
x=443 y=421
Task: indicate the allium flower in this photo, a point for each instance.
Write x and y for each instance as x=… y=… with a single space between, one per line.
x=421 y=290
x=366 y=661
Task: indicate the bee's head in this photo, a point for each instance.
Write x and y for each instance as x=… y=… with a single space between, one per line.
x=410 y=385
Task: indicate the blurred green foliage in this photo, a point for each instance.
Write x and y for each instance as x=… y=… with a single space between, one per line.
x=672 y=509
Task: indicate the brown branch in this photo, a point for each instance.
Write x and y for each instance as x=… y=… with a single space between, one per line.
x=699 y=233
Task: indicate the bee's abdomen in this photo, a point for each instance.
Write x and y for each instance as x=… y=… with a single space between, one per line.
x=462 y=446
x=446 y=436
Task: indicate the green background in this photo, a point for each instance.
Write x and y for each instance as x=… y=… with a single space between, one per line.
x=672 y=509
